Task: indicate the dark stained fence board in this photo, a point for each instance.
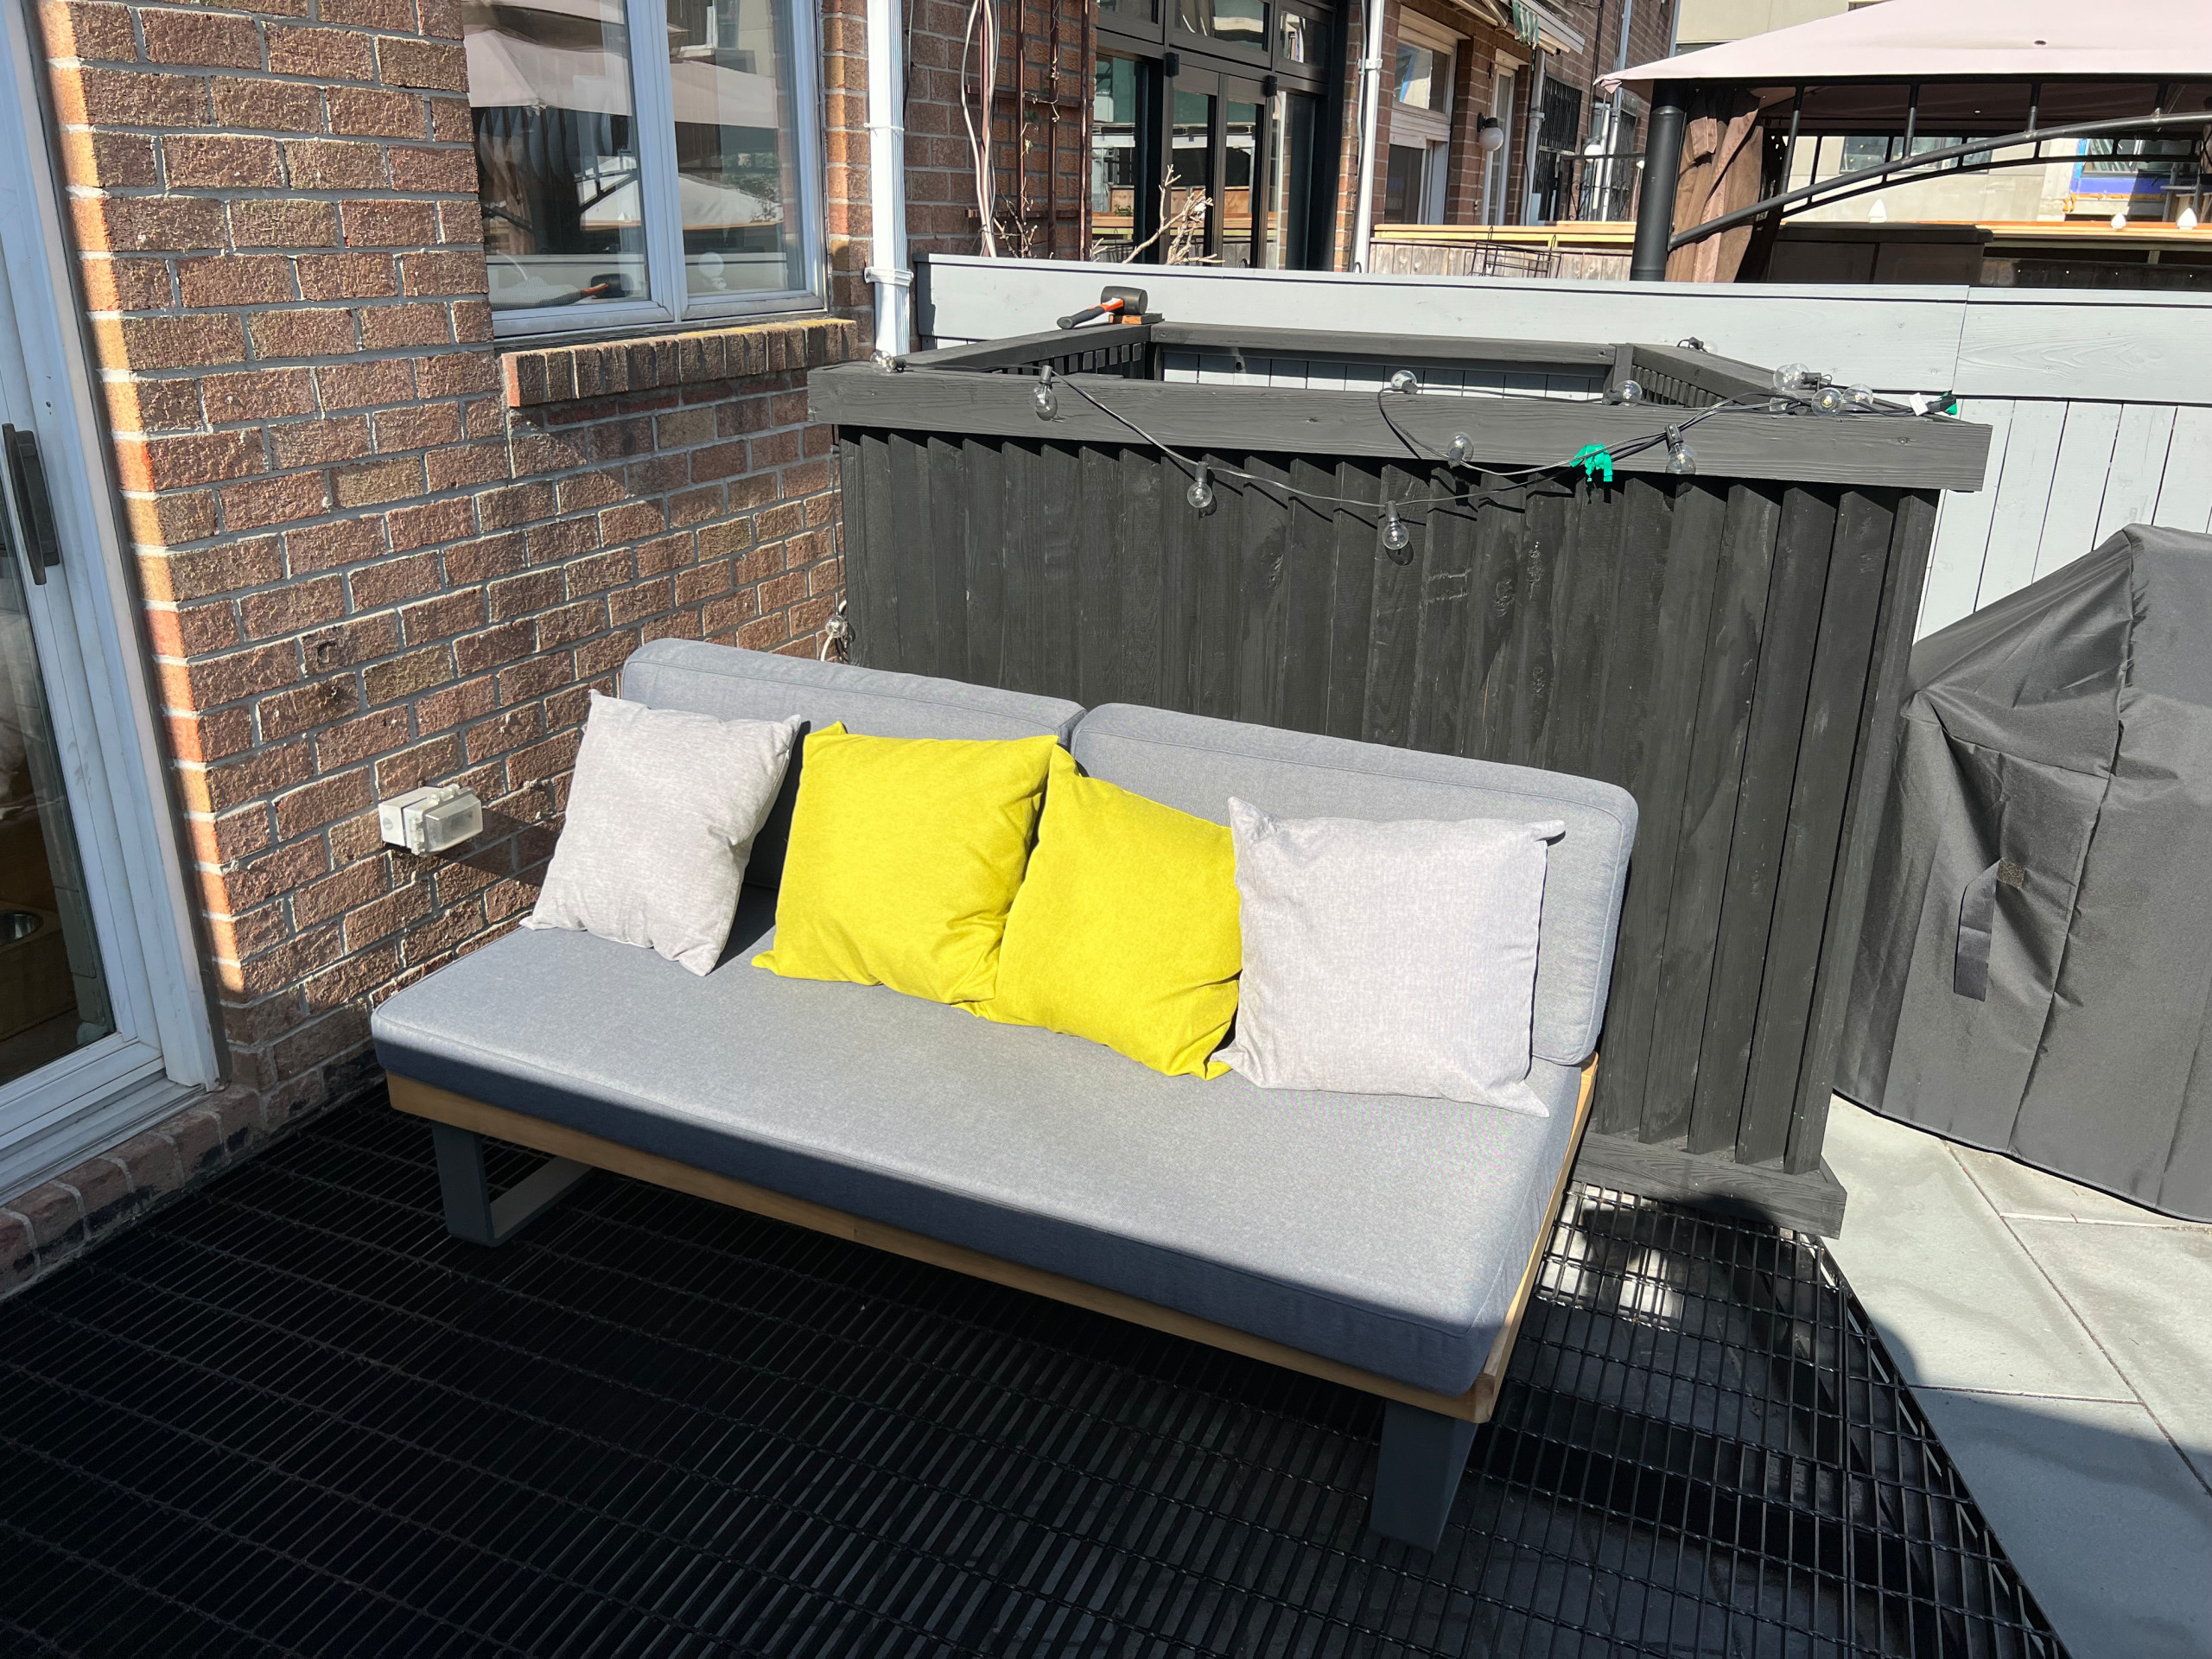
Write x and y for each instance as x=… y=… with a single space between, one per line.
x=1725 y=649
x=1710 y=797
x=1912 y=535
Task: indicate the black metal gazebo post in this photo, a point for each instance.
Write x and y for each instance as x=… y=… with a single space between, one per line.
x=1662 y=167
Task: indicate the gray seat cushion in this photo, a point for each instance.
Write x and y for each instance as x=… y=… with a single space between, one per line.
x=1390 y=1234
x=733 y=684
x=1196 y=764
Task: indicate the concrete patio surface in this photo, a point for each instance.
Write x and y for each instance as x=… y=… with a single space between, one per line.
x=2060 y=1341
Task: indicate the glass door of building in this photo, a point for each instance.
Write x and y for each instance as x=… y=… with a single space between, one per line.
x=1217 y=137
x=103 y=1018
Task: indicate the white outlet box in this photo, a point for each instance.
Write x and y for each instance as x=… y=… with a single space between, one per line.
x=430 y=819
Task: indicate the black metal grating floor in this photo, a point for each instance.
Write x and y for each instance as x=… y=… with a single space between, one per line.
x=291 y=1416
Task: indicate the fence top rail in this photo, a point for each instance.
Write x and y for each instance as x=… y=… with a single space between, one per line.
x=1866 y=448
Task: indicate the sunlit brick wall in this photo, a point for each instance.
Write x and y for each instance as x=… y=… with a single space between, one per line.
x=370 y=556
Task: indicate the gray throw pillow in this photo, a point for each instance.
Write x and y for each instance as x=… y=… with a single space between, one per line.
x=661 y=814
x=1389 y=958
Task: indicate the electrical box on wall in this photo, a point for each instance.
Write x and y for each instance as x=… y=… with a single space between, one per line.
x=431 y=820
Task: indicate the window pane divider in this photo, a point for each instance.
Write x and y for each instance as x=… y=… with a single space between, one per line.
x=660 y=196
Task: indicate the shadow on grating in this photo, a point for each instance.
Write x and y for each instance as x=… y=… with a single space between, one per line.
x=292 y=1415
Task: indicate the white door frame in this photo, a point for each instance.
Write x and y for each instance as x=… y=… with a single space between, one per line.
x=86 y=622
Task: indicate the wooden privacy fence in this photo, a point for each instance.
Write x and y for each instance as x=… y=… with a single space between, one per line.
x=2099 y=404
x=1729 y=647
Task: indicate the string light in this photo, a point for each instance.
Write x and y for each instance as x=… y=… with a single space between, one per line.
x=1629 y=391
x=1460 y=452
x=1831 y=400
x=1047 y=400
x=2188 y=219
x=1405 y=380
x=1200 y=494
x=1396 y=536
x=1794 y=377
x=1681 y=459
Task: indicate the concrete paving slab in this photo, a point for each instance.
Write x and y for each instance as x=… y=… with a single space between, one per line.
x=2107 y=1526
x=2145 y=1294
x=2013 y=1189
x=1957 y=1300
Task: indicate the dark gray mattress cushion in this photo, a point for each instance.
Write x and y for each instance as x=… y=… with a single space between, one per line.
x=1196 y=764
x=734 y=684
x=1389 y=1234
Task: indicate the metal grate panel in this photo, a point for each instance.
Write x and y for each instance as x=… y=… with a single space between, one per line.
x=291 y=1416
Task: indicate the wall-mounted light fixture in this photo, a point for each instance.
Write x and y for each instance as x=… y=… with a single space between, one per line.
x=1490 y=132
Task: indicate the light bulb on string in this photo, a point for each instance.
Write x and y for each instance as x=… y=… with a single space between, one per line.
x=1460 y=452
x=1405 y=380
x=1200 y=494
x=2119 y=221
x=1793 y=377
x=1397 y=537
x=1681 y=459
x=1629 y=391
x=1047 y=400
x=2188 y=219
x=1831 y=400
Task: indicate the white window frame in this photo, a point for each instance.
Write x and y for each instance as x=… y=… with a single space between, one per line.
x=161 y=1054
x=660 y=202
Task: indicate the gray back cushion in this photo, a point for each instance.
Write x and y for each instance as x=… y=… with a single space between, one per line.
x=1196 y=765
x=734 y=684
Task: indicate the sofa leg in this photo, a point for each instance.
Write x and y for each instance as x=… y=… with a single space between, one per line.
x=1416 y=1478
x=471 y=1211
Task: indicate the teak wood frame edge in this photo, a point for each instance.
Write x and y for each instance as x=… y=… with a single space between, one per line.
x=1475 y=1406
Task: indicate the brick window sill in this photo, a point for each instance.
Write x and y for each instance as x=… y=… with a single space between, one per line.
x=655 y=362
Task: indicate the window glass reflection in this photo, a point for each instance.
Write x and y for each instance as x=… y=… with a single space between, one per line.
x=1240 y=141
x=1241 y=23
x=1303 y=39
x=1190 y=188
x=557 y=151
x=736 y=161
x=1113 y=171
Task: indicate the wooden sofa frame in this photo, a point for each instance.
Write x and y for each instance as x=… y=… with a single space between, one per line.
x=1426 y=1436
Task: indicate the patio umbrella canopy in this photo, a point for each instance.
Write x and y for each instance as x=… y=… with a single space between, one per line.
x=2034 y=977
x=2097 y=62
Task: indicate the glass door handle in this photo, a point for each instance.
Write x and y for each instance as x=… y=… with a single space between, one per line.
x=33 y=508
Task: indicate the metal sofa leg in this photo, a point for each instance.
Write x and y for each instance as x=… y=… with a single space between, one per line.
x=471 y=1211
x=1416 y=1478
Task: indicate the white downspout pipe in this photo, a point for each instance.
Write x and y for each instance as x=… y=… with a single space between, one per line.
x=1370 y=100
x=887 y=181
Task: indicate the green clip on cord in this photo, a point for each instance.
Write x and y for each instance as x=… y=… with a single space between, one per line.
x=1595 y=461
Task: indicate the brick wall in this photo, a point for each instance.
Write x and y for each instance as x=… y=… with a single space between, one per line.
x=372 y=555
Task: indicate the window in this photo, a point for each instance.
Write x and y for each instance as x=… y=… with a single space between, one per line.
x=1424 y=78
x=628 y=187
x=1233 y=23
x=1118 y=211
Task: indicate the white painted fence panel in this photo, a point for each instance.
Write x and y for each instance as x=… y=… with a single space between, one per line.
x=2099 y=404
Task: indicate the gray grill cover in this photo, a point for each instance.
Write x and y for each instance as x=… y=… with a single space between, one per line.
x=2052 y=814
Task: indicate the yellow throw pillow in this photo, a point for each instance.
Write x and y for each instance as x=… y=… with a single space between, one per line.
x=1125 y=928
x=904 y=853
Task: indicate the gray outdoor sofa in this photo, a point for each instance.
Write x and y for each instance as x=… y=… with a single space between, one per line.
x=1390 y=1244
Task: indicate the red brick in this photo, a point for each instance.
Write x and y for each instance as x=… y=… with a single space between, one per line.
x=177 y=577
x=126 y=284
x=456 y=374
x=313 y=805
x=359 y=386
x=466 y=464
x=147 y=224
x=373 y=482
x=169 y=342
x=392 y=581
x=110 y=160
x=235 y=279
x=292 y=607
x=303 y=333
x=203 y=40
x=418 y=427
x=444 y=617
x=221 y=162
x=191 y=632
x=275 y=501
x=228 y=679
x=391 y=223
x=329 y=53
x=409 y=676
x=453 y=169
x=332 y=896
x=371 y=112
x=288 y=713
x=434 y=64
x=455 y=272
x=369 y=14
x=318 y=443
x=266 y=106
x=431 y=523
x=181 y=461
x=323 y=547
x=86 y=32
x=334 y=164
x=356 y=740
x=387 y=326
x=282 y=223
